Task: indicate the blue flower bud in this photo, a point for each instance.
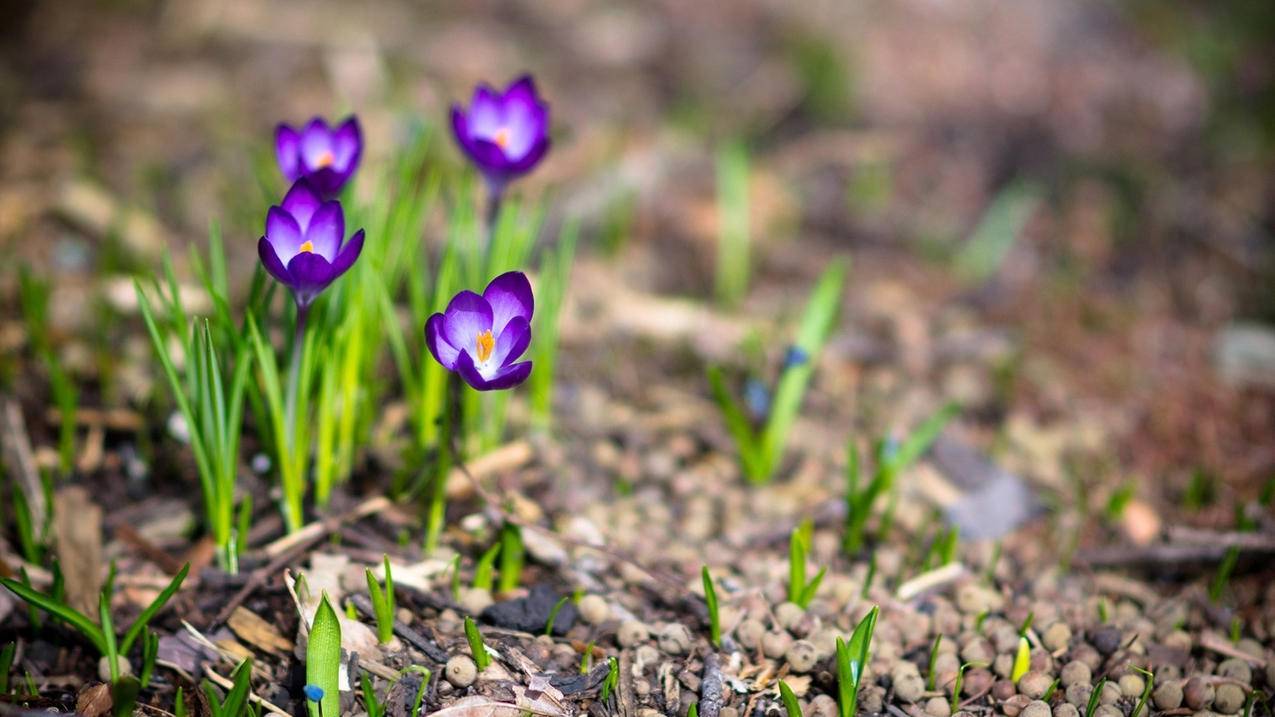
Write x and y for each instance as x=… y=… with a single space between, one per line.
x=314 y=693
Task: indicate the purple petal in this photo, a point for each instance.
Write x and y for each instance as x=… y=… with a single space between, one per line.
x=347 y=146
x=486 y=112
x=326 y=229
x=467 y=316
x=287 y=150
x=283 y=232
x=301 y=201
x=532 y=158
x=270 y=260
x=317 y=151
x=509 y=296
x=508 y=376
x=468 y=371
x=310 y=274
x=523 y=89
x=443 y=352
x=348 y=255
x=460 y=125
x=511 y=343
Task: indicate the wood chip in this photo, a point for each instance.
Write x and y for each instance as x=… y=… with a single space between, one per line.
x=77 y=524
x=254 y=630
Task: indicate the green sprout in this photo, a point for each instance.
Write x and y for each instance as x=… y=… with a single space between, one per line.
x=955 y=700
x=555 y=274
x=371 y=704
x=852 y=659
x=930 y=675
x=323 y=661
x=985 y=251
x=6 y=664
x=892 y=459
x=476 y=647
x=484 y=571
x=800 y=591
x=382 y=602
x=455 y=581
x=869 y=577
x=1147 y=687
x=791 y=707
x=1022 y=659
x=693 y=710
x=586 y=658
x=150 y=650
x=553 y=614
x=33 y=294
x=1253 y=697
x=236 y=702
x=511 y=557
x=1095 y=697
x=612 y=680
x=420 y=691
x=179 y=703
x=101 y=632
x=710 y=600
x=1049 y=692
x=761 y=449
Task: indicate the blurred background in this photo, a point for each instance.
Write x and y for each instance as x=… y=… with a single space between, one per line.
x=1059 y=213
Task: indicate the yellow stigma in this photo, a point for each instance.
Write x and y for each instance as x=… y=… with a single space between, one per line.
x=485 y=345
x=325 y=160
x=306 y=248
x=502 y=138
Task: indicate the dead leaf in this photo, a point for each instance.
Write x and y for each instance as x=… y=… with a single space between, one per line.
x=77 y=524
x=94 y=701
x=253 y=629
x=483 y=707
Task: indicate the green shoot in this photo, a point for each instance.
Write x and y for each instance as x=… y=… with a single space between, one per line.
x=870 y=577
x=733 y=230
x=693 y=710
x=6 y=664
x=212 y=407
x=1253 y=697
x=1095 y=697
x=892 y=459
x=373 y=706
x=761 y=450
x=555 y=274
x=179 y=703
x=959 y=685
x=1026 y=624
x=930 y=675
x=420 y=691
x=32 y=691
x=150 y=650
x=476 y=647
x=979 y=619
x=553 y=614
x=586 y=658
x=1022 y=659
x=236 y=702
x=989 y=573
x=1237 y=629
x=101 y=632
x=1222 y=578
x=612 y=680
x=455 y=581
x=323 y=660
x=852 y=658
x=800 y=591
x=1201 y=490
x=1002 y=222
x=1147 y=688
x=1104 y=610
x=33 y=296
x=382 y=602
x=1119 y=500
x=484 y=570
x=791 y=707
x=710 y=600
x=124 y=696
x=511 y=557
x=1049 y=692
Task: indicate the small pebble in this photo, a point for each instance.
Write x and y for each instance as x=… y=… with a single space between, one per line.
x=937 y=707
x=1110 y=693
x=977 y=681
x=104 y=667
x=1014 y=705
x=675 y=639
x=594 y=609
x=1066 y=709
x=801 y=656
x=1074 y=673
x=460 y=671
x=823 y=706
x=1236 y=669
x=1035 y=684
x=788 y=614
x=749 y=633
x=1036 y=709
x=1085 y=653
x=728 y=712
x=1131 y=686
x=977 y=649
x=1228 y=699
x=1167 y=696
x=775 y=643
x=632 y=633
x=1106 y=639
x=1056 y=637
x=1003 y=665
x=1197 y=694
x=1003 y=690
x=909 y=688
x=1108 y=711
x=475 y=600
x=872 y=699
x=1078 y=694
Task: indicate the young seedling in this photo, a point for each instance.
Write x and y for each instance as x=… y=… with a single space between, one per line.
x=102 y=632
x=124 y=693
x=710 y=600
x=179 y=703
x=511 y=557
x=586 y=658
x=236 y=703
x=1049 y=692
x=732 y=217
x=382 y=602
x=800 y=591
x=323 y=661
x=33 y=296
x=1147 y=688
x=420 y=691
x=955 y=700
x=6 y=663
x=761 y=449
x=891 y=460
x=455 y=582
x=693 y=710
x=484 y=571
x=870 y=577
x=930 y=675
x=791 y=707
x=1095 y=697
x=476 y=647
x=612 y=680
x=150 y=650
x=553 y=614
x=1023 y=657
x=371 y=704
x=852 y=659
x=1253 y=697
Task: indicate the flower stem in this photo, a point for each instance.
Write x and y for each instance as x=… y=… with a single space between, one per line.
x=292 y=495
x=448 y=442
x=495 y=197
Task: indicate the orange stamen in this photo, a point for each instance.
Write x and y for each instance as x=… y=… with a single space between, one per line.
x=485 y=345
x=307 y=247
x=325 y=160
x=502 y=138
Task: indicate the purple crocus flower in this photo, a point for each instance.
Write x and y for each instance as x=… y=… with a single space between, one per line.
x=505 y=133
x=481 y=337
x=326 y=156
x=303 y=245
